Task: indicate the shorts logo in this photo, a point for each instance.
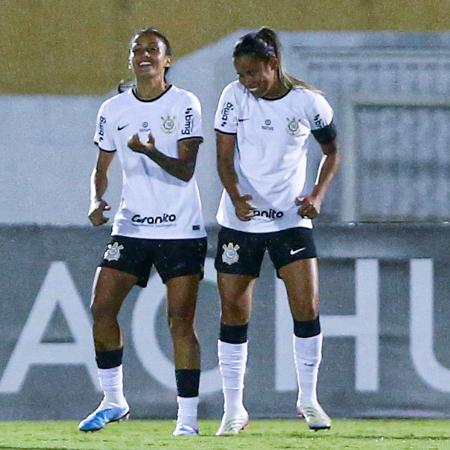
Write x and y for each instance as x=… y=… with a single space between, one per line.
x=113 y=252
x=293 y=128
x=168 y=125
x=230 y=253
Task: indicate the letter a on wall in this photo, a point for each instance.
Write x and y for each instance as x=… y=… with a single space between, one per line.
x=57 y=290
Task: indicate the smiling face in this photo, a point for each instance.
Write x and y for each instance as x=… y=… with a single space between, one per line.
x=259 y=76
x=148 y=56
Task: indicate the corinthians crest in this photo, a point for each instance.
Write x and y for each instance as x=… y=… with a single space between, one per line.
x=168 y=124
x=113 y=252
x=293 y=127
x=230 y=253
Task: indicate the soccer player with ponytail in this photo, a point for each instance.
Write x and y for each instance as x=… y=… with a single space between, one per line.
x=262 y=123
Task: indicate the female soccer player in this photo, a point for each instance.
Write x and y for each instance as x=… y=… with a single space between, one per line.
x=155 y=128
x=262 y=123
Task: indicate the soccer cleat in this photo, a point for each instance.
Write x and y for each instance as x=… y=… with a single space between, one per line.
x=316 y=418
x=101 y=417
x=233 y=424
x=185 y=430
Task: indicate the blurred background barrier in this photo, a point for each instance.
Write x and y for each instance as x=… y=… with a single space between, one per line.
x=384 y=309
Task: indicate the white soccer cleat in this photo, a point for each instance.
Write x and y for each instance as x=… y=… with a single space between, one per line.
x=233 y=424
x=316 y=418
x=185 y=430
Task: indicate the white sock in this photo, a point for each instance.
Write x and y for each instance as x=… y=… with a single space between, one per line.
x=307 y=355
x=187 y=411
x=111 y=382
x=232 y=363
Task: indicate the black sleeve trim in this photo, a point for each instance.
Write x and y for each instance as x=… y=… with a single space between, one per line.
x=104 y=150
x=197 y=138
x=326 y=134
x=225 y=132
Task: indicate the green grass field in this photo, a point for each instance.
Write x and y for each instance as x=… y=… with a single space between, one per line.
x=261 y=435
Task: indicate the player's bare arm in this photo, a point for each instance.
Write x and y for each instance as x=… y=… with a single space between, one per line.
x=310 y=205
x=182 y=167
x=99 y=184
x=225 y=166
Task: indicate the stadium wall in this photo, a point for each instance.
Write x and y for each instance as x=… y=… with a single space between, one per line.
x=79 y=47
x=384 y=310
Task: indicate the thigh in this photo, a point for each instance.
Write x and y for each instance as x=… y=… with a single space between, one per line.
x=110 y=288
x=129 y=255
x=293 y=244
x=239 y=253
x=301 y=279
x=175 y=258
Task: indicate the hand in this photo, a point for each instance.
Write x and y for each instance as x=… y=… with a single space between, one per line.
x=96 y=212
x=243 y=208
x=309 y=206
x=135 y=144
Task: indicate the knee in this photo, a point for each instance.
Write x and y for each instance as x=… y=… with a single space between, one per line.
x=102 y=312
x=310 y=312
x=181 y=325
x=306 y=311
x=305 y=303
x=235 y=313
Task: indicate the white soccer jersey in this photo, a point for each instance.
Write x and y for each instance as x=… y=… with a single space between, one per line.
x=154 y=204
x=270 y=155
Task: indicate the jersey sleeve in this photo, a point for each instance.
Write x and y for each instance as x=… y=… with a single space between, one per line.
x=226 y=118
x=103 y=136
x=320 y=117
x=191 y=119
x=319 y=113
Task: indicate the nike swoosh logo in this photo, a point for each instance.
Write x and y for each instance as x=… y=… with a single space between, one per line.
x=119 y=128
x=293 y=252
x=242 y=120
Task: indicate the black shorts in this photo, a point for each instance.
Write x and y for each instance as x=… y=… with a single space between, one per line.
x=171 y=257
x=241 y=253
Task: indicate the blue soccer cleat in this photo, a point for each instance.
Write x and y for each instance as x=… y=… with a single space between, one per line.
x=101 y=417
